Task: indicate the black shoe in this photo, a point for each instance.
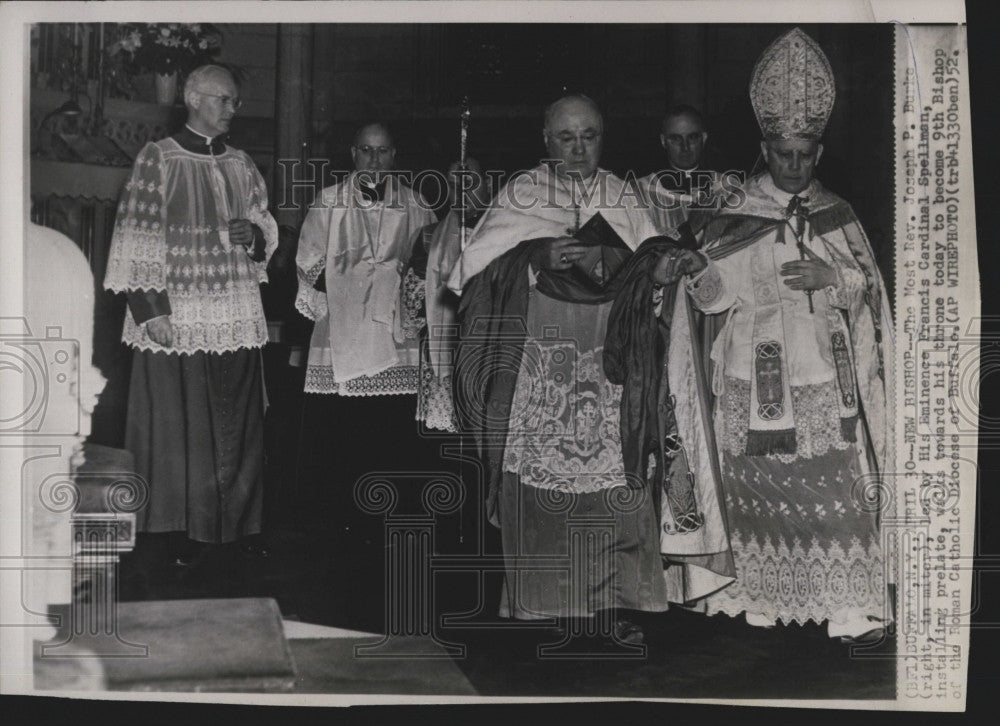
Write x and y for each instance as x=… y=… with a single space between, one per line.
x=256 y=549
x=628 y=632
x=875 y=635
x=189 y=554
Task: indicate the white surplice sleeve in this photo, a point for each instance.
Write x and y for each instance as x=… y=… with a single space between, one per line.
x=714 y=289
x=137 y=258
x=310 y=261
x=851 y=284
x=258 y=214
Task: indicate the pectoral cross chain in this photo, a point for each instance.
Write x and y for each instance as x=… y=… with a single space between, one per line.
x=797 y=209
x=571 y=231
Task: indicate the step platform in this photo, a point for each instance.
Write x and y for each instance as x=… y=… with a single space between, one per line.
x=211 y=645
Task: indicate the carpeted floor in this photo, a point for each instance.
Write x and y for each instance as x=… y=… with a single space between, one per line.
x=316 y=587
x=687 y=655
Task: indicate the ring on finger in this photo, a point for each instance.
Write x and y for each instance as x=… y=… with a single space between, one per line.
x=563 y=259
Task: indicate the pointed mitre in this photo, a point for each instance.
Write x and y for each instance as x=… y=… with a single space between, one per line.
x=792 y=88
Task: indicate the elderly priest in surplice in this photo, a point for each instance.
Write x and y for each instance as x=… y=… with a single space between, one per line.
x=190 y=249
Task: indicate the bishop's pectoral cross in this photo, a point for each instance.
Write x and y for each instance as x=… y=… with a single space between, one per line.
x=798 y=210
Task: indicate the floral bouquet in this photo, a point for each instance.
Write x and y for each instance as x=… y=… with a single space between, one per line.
x=165 y=47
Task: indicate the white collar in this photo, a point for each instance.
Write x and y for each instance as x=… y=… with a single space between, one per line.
x=365 y=178
x=355 y=184
x=568 y=183
x=782 y=197
x=208 y=139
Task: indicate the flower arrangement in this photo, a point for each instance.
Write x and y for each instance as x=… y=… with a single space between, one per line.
x=165 y=47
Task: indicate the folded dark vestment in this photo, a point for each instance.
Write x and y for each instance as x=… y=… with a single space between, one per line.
x=606 y=252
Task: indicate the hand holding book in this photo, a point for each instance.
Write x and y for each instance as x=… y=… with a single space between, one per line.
x=557 y=253
x=604 y=252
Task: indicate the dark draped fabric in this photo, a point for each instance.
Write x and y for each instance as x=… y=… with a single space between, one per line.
x=492 y=315
x=196 y=427
x=635 y=354
x=637 y=342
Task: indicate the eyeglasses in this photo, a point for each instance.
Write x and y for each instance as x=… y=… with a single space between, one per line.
x=380 y=150
x=236 y=103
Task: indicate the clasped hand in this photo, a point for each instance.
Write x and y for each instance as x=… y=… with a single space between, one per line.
x=160 y=330
x=557 y=253
x=675 y=263
x=240 y=232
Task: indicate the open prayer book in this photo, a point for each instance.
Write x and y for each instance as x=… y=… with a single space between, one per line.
x=606 y=252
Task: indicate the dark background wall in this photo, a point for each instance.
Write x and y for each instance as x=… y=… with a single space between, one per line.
x=414 y=77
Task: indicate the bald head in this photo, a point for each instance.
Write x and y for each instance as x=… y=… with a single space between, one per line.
x=576 y=104
x=573 y=135
x=373 y=148
x=377 y=128
x=212 y=97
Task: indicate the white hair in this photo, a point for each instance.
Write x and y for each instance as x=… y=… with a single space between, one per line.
x=202 y=75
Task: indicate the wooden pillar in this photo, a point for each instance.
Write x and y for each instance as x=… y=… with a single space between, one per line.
x=292 y=115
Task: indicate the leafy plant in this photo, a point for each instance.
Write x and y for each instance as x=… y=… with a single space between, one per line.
x=165 y=47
